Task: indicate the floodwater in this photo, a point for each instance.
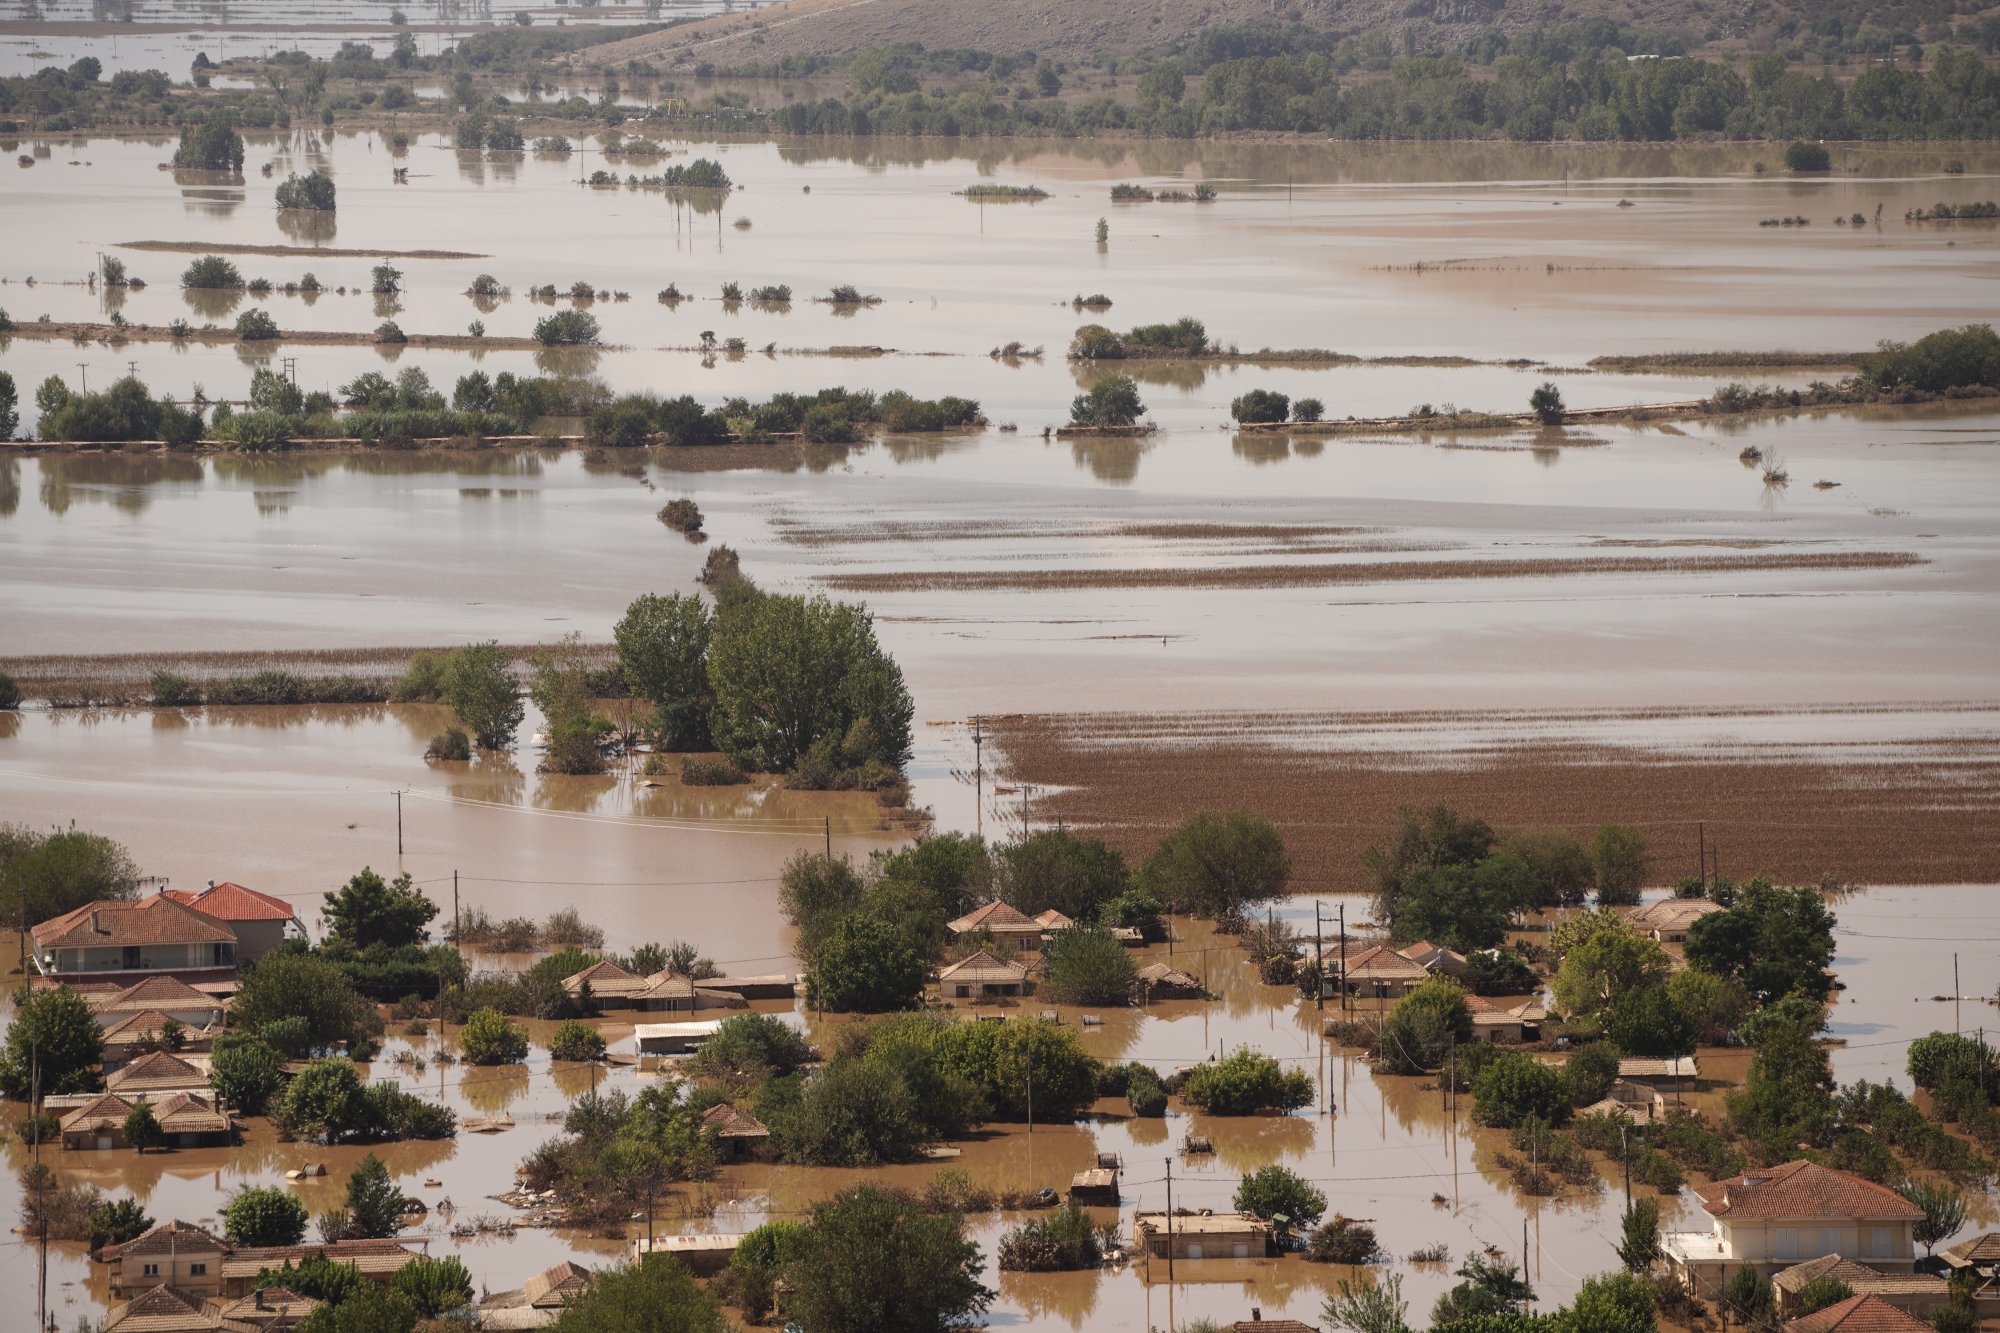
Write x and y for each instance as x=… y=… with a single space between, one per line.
x=1638 y=580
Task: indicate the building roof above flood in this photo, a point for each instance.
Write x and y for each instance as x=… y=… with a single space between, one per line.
x=996 y=917
x=1203 y=1224
x=1804 y=1189
x=1858 y=1314
x=233 y=902
x=115 y=922
x=984 y=968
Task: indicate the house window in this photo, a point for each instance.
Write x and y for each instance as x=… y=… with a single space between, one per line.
x=150 y=1270
x=964 y=991
x=1788 y=1243
x=1881 y=1242
x=196 y=1270
x=131 y=957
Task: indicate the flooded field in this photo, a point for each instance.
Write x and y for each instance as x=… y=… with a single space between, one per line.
x=1548 y=626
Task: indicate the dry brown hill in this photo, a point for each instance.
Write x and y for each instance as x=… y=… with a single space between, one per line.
x=1076 y=30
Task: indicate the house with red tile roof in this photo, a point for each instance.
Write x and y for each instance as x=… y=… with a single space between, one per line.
x=1003 y=923
x=982 y=977
x=115 y=942
x=196 y=1010
x=1912 y=1293
x=1858 y=1314
x=1376 y=971
x=167 y=1310
x=1773 y=1218
x=260 y=920
x=176 y=1254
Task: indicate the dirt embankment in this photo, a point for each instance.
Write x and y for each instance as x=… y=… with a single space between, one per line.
x=1922 y=811
x=308 y=251
x=160 y=333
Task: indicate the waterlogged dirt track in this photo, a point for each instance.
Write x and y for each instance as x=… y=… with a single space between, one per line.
x=1873 y=796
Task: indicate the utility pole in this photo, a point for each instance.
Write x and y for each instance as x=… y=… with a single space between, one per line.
x=399 y=822
x=1170 y=1222
x=457 y=926
x=1025 y=789
x=41 y=1185
x=1343 y=957
x=1319 y=961
x=83 y=372
x=1625 y=1152
x=1701 y=856
x=828 y=819
x=1524 y=1259
x=978 y=775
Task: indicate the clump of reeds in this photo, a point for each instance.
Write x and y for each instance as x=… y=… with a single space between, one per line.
x=988 y=192
x=705 y=771
x=683 y=516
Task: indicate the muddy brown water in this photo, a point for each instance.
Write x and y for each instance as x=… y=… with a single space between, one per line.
x=1830 y=660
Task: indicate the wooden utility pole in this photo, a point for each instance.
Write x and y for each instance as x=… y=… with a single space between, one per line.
x=1343 y=957
x=978 y=781
x=1170 y=1221
x=1319 y=961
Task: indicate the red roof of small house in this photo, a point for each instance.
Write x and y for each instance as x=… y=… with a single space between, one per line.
x=185 y=1113
x=605 y=978
x=984 y=968
x=1804 y=1189
x=174 y=1237
x=115 y=922
x=1379 y=960
x=107 y=1110
x=1979 y=1250
x=164 y=1310
x=259 y=1306
x=1271 y=1326
x=161 y=1070
x=728 y=1122
x=152 y=993
x=1858 y=1314
x=1053 y=920
x=233 y=902
x=995 y=916
x=553 y=1286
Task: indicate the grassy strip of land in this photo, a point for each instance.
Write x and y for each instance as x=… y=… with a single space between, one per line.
x=1775 y=360
x=1349 y=572
x=217 y=336
x=309 y=251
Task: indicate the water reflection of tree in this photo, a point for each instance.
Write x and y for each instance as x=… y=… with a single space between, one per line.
x=307 y=226
x=494 y=777
x=213 y=302
x=1070 y=1297
x=1258 y=447
x=123 y=481
x=10 y=487
x=1244 y=1143
x=1110 y=458
x=929 y=447
x=493 y=1088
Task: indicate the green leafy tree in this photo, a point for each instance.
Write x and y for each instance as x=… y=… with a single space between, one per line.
x=1464 y=907
x=1802 y=156
x=848 y=1114
x=1424 y=1027
x=1546 y=402
x=1370 y=1307
x=1943 y=1055
x=367 y=911
x=1274 y=1191
x=576 y=1041
x=436 y=1287
x=1822 y=1291
x=1644 y=1022
x=1714 y=1007
x=488 y=1038
x=1610 y=1303
x=317 y=1276
x=865 y=967
x=1639 y=1243
x=1057 y=869
x=1260 y=405
x=313 y=192
x=374 y=1204
x=479 y=686
x=1943 y=1207
x=306 y=993
x=1512 y=1087
x=1773 y=941
x=321 y=1101
x=116 y=1221
x=1787 y=1098
x=1589 y=1072
x=791 y=673
x=371 y=1309
x=10 y=399
x=1485 y=1287
x=1245 y=1082
x=211 y=144
x=818 y=893
x=1219 y=865
x=663 y=652
x=43 y=875
x=1087 y=965
x=1612 y=961
x=876 y=1261
x=142 y=1127
x=264 y=1215
x=655 y=1295
x=1559 y=863
x=1620 y=862
x=54 y=1031
x=751 y=1048
x=1112 y=401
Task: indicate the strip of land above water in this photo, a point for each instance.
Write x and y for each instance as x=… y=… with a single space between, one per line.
x=1924 y=809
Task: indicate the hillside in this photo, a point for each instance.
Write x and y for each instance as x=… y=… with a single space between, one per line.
x=1081 y=31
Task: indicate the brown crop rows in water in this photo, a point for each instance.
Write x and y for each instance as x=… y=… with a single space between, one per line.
x=1323 y=575
x=1925 y=812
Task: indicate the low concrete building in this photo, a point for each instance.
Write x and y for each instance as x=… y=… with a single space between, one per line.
x=706 y=1254
x=114 y=942
x=673 y=1038
x=1202 y=1235
x=982 y=977
x=261 y=922
x=1670 y=919
x=1099 y=1185
x=186 y=1120
x=1008 y=928
x=1661 y=1075
x=1161 y=982
x=609 y=986
x=1913 y=1293
x=1858 y=1314
x=1774 y=1218
x=738 y=1134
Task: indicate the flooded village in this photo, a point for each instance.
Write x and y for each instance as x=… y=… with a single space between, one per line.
x=853 y=666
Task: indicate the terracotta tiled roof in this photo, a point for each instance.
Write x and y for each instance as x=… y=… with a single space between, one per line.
x=605 y=978
x=368 y=1256
x=160 y=1070
x=1680 y=1067
x=166 y=1238
x=1858 y=1314
x=1672 y=913
x=276 y=1301
x=153 y=993
x=994 y=916
x=142 y=1026
x=1053 y=920
x=106 y=1110
x=1272 y=1326
x=553 y=1286
x=233 y=902
x=1160 y=974
x=114 y=922
x=1979 y=1250
x=1860 y=1278
x=665 y=985
x=731 y=1123
x=984 y=968
x=1379 y=962
x=185 y=1113
x=164 y=1310
x=1804 y=1189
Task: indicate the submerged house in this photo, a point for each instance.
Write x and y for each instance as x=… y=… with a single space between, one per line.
x=982 y=977
x=1435 y=958
x=1007 y=927
x=261 y=921
x=1492 y=1023
x=1169 y=983
x=1774 y=1218
x=1670 y=919
x=537 y=1302
x=610 y=986
x=114 y=942
x=738 y=1134
x=1376 y=971
x=1858 y=1314
x=187 y=1121
x=1202 y=1235
x=1913 y=1293
x=198 y=1011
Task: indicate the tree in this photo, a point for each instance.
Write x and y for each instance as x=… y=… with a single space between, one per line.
x=489 y=1039
x=1943 y=1207
x=1559 y=863
x=1273 y=1191
x=793 y=673
x=655 y=1295
x=1112 y=401
x=1787 y=1098
x=1425 y=1025
x=1612 y=961
x=865 y=967
x=10 y=406
x=1376 y=1307
x=1803 y=156
x=1485 y=1287
x=313 y=192
x=56 y=1032
x=371 y=1309
x=849 y=1113
x=752 y=1048
x=1942 y=1055
x=1088 y=965
x=663 y=652
x=374 y=1204
x=1712 y=1006
x=1219 y=865
x=1822 y=1291
x=116 y=1221
x=1464 y=907
x=321 y=1101
x=43 y=875
x=1245 y=1082
x=1058 y=869
x=576 y=1042
x=306 y=992
x=1774 y=941
x=264 y=1215
x=435 y=1287
x=1589 y=1073
x=142 y=1128
x=254 y=326
x=367 y=911
x=566 y=328
x=479 y=686
x=1640 y=1242
x=1260 y=405
x=1546 y=402
x=876 y=1261
x=1645 y=1023
x=1511 y=1087
x=1620 y=861
x=1610 y=1303
x=211 y=144
x=817 y=893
